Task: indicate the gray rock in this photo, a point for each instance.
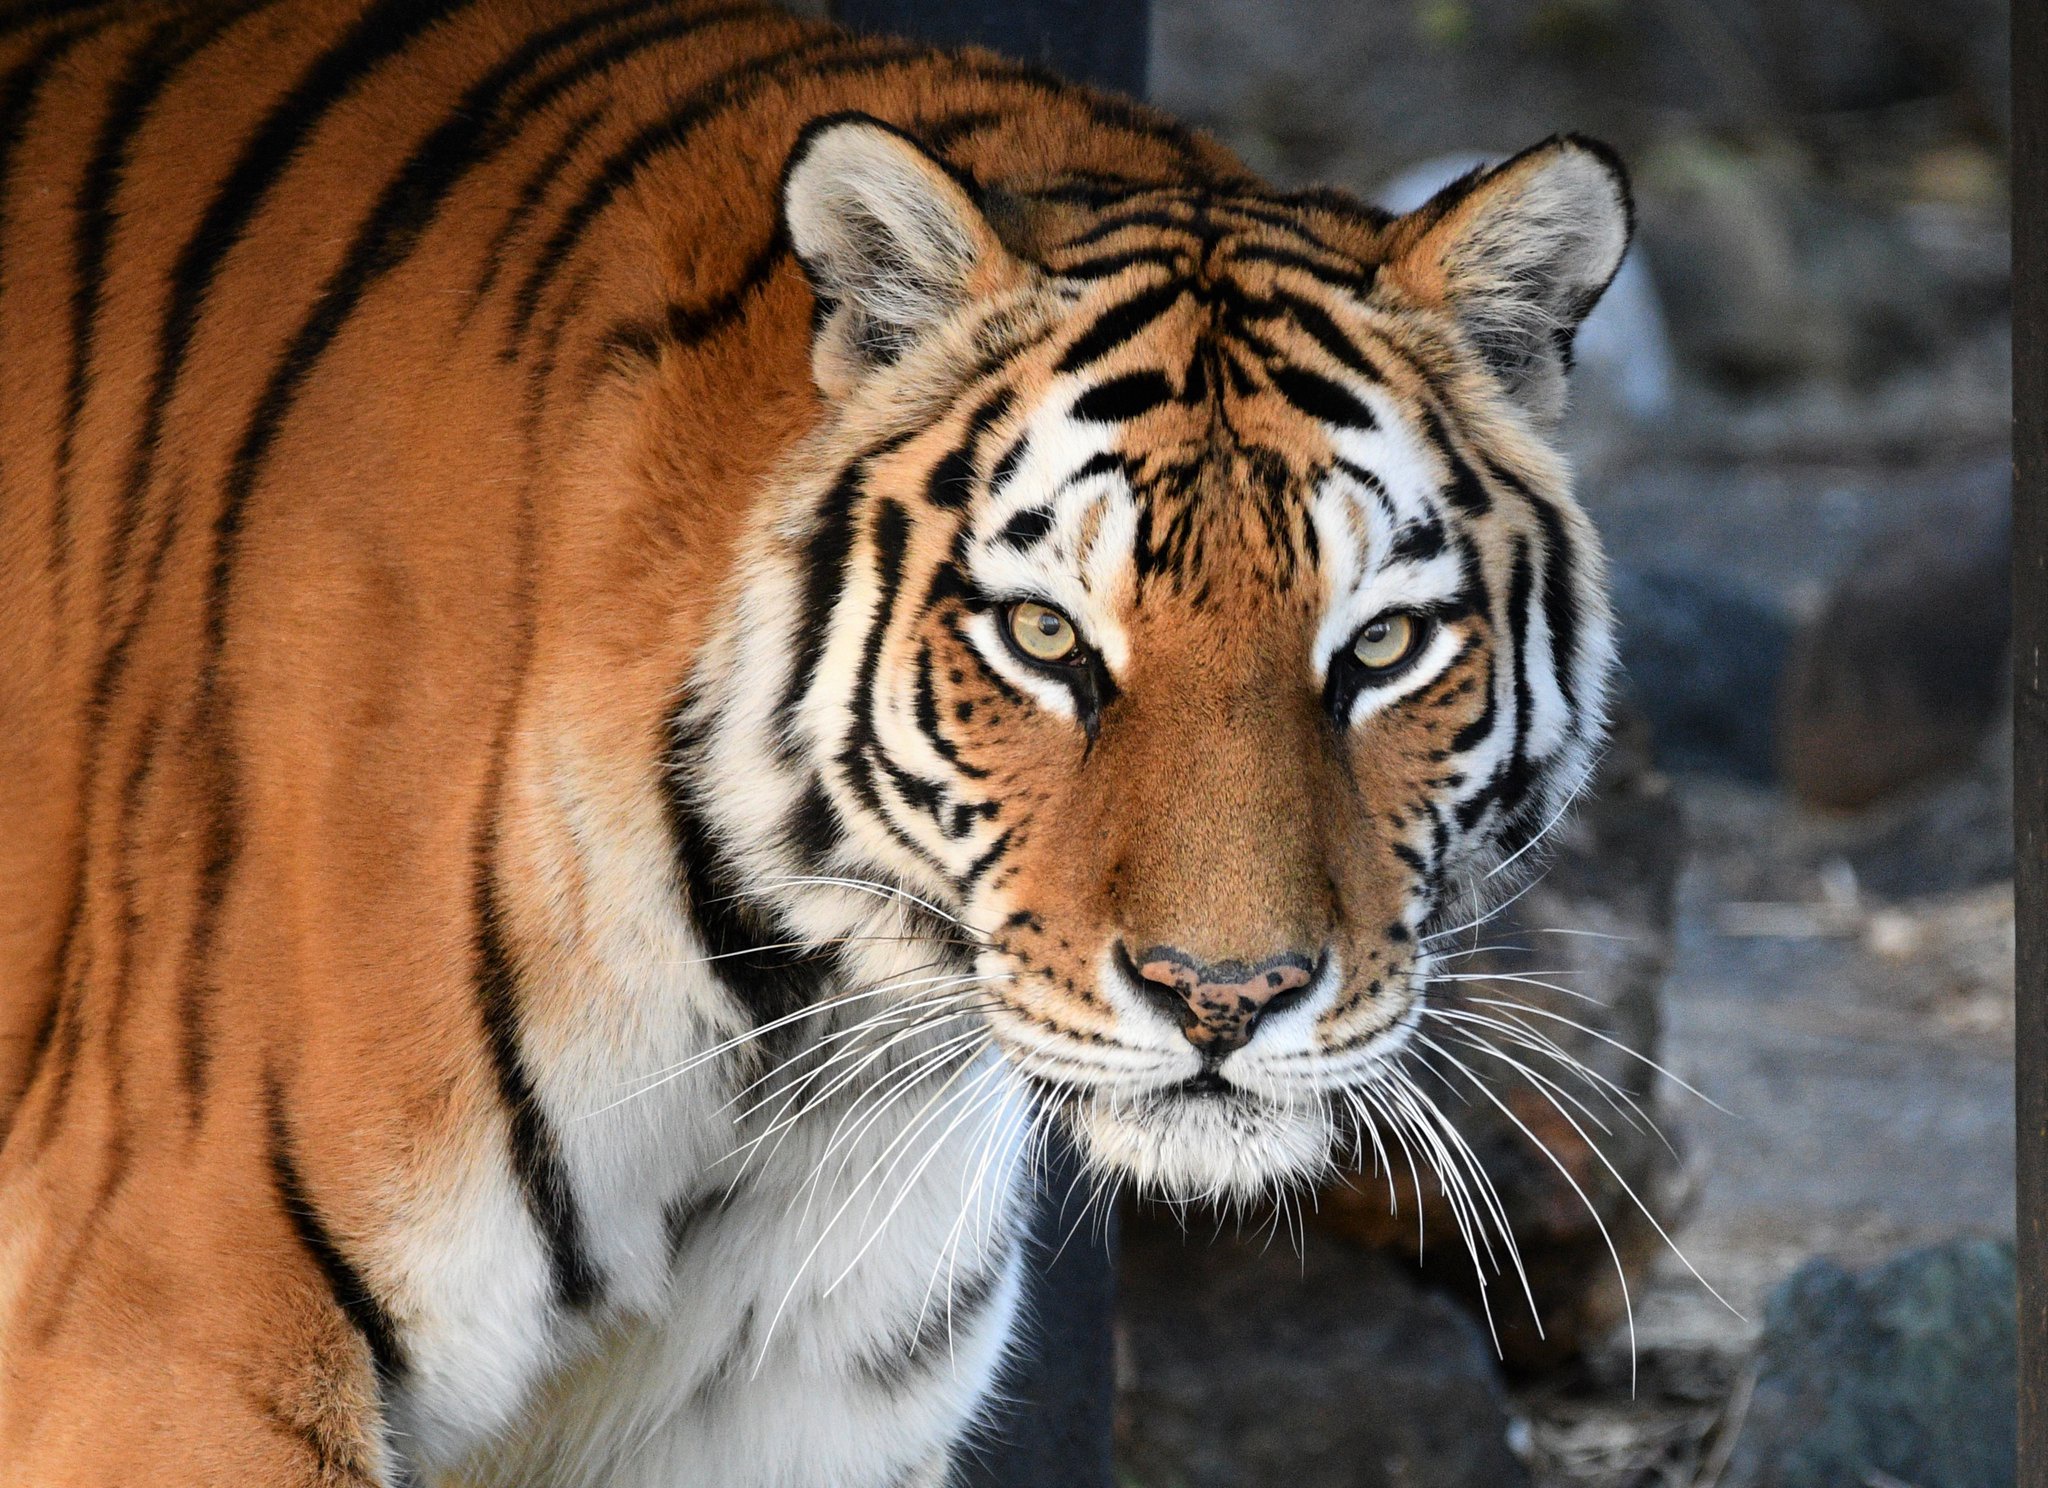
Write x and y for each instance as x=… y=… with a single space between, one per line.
x=1247 y=1368
x=1901 y=673
x=1702 y=657
x=1907 y=1371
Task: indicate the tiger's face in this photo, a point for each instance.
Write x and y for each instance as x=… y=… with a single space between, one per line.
x=1194 y=616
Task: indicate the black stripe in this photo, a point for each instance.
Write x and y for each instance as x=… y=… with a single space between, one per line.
x=1117 y=325
x=755 y=961
x=1514 y=778
x=1560 y=582
x=1466 y=493
x=941 y=134
x=1320 y=398
x=1316 y=323
x=1007 y=462
x=531 y=191
x=724 y=90
x=1439 y=842
x=986 y=861
x=952 y=480
x=1511 y=779
x=858 y=755
x=382 y=31
x=925 y=708
x=529 y=103
x=71 y=976
x=826 y=553
x=643 y=338
x=1110 y=265
x=951 y=484
x=813 y=830
x=150 y=70
x=19 y=91
x=1560 y=598
x=1026 y=527
x=536 y=1155
x=345 y=1284
x=1157 y=218
x=1374 y=486
x=1121 y=399
x=1103 y=462
x=1417 y=542
x=1475 y=733
x=1342 y=274
x=686 y=325
x=120 y=1000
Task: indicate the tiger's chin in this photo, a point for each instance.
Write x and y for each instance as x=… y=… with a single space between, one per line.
x=1203 y=1141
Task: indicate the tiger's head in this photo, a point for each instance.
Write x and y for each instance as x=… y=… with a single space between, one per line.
x=1182 y=606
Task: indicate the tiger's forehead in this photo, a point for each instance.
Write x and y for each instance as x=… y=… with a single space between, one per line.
x=1204 y=432
x=1204 y=233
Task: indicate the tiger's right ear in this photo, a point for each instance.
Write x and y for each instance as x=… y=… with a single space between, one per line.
x=893 y=244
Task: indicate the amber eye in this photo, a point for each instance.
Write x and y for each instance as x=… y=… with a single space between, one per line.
x=1390 y=640
x=1043 y=633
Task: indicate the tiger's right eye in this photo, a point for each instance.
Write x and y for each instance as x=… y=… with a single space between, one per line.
x=1389 y=641
x=1042 y=633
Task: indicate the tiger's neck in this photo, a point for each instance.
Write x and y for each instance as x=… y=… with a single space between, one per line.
x=731 y=1041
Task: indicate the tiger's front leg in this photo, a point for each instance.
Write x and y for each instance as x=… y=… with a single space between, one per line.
x=185 y=1344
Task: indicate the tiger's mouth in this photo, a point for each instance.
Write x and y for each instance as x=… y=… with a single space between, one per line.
x=1229 y=1128
x=1199 y=1136
x=1205 y=1137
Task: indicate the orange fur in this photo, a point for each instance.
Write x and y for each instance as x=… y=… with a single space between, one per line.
x=288 y=654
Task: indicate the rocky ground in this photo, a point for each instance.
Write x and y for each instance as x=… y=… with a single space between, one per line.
x=1862 y=1050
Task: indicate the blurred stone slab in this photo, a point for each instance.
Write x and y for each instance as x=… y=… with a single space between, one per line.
x=1573 y=970
x=1245 y=1366
x=1901 y=673
x=1701 y=657
x=1904 y=1374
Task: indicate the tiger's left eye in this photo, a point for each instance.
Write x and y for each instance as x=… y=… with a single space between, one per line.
x=1043 y=633
x=1390 y=640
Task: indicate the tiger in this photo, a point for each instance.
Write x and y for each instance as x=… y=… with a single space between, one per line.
x=642 y=644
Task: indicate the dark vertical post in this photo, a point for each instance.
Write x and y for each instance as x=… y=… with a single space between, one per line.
x=2030 y=708
x=1055 y=1430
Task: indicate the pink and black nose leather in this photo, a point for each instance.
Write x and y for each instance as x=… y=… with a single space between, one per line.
x=1218 y=1004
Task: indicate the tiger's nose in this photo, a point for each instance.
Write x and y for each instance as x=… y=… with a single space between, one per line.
x=1218 y=1004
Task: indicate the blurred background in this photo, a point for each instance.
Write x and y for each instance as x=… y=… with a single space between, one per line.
x=1791 y=423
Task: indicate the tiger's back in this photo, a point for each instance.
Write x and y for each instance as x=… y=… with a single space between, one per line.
x=308 y=312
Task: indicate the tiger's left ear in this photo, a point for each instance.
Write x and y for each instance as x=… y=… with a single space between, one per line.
x=893 y=244
x=1520 y=254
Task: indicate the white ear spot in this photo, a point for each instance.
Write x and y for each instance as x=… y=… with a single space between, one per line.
x=1520 y=254
x=893 y=245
